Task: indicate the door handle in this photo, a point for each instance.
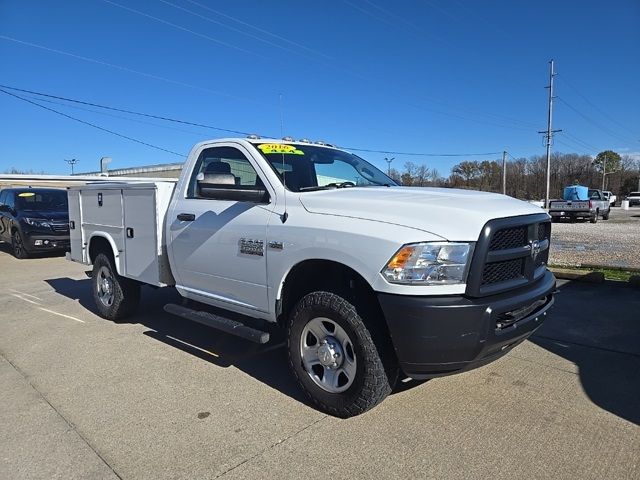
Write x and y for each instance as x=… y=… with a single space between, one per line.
x=186 y=217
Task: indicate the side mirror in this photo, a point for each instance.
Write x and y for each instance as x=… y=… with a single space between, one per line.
x=222 y=186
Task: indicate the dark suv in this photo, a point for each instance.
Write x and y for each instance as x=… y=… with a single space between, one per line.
x=34 y=220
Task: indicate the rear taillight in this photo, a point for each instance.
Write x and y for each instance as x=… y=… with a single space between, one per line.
x=590 y=204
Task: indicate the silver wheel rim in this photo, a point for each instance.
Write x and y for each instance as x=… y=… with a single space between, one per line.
x=328 y=355
x=104 y=284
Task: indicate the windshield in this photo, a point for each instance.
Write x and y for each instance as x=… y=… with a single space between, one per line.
x=51 y=200
x=634 y=194
x=311 y=167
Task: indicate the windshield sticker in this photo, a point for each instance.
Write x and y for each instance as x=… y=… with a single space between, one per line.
x=268 y=148
x=27 y=194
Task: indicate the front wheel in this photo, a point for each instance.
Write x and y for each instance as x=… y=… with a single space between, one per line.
x=606 y=215
x=334 y=357
x=17 y=243
x=594 y=218
x=115 y=297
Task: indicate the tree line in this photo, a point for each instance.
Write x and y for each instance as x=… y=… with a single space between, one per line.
x=526 y=177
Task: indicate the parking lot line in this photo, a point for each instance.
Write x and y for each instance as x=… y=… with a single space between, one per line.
x=26 y=294
x=17 y=295
x=61 y=314
x=25 y=299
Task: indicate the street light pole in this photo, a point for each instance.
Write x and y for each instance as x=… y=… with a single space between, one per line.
x=504 y=172
x=72 y=162
x=604 y=169
x=389 y=160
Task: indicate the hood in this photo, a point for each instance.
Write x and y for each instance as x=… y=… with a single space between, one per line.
x=49 y=215
x=455 y=215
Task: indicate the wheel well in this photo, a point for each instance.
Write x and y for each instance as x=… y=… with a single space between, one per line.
x=99 y=245
x=313 y=275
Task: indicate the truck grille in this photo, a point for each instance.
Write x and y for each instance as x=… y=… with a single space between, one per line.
x=509 y=238
x=60 y=227
x=510 y=253
x=502 y=271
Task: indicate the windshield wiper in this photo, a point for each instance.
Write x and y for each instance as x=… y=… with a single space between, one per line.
x=328 y=186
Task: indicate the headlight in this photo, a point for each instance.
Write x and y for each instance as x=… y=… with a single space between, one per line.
x=429 y=263
x=37 y=222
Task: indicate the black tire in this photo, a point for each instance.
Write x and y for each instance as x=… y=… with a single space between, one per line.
x=17 y=244
x=123 y=295
x=606 y=215
x=375 y=367
x=594 y=218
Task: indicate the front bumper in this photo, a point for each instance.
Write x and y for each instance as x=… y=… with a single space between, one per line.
x=43 y=242
x=435 y=336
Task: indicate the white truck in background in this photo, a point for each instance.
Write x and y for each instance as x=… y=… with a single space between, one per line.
x=367 y=278
x=610 y=196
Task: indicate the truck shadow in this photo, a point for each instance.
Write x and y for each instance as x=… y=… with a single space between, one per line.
x=266 y=363
x=597 y=327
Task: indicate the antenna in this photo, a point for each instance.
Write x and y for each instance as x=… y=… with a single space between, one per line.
x=285 y=215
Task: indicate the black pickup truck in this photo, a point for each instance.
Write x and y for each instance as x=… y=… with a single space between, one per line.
x=34 y=220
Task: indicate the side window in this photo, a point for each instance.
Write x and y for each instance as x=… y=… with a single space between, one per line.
x=227 y=166
x=10 y=202
x=3 y=195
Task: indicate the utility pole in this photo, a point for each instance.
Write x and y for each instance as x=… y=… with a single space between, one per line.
x=604 y=170
x=389 y=160
x=549 y=132
x=72 y=162
x=504 y=172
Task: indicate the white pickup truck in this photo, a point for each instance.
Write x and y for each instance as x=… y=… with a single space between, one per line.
x=367 y=278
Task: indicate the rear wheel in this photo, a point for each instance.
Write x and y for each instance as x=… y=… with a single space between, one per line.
x=335 y=358
x=17 y=243
x=115 y=297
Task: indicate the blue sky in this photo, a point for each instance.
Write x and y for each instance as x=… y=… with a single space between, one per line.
x=431 y=76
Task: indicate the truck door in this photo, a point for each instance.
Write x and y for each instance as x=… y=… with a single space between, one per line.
x=218 y=246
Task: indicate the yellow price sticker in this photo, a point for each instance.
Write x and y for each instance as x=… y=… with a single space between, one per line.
x=27 y=194
x=268 y=148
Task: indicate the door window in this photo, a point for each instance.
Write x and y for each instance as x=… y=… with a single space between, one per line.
x=226 y=162
x=10 y=202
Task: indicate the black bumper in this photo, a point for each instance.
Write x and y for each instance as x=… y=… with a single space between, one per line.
x=38 y=242
x=435 y=336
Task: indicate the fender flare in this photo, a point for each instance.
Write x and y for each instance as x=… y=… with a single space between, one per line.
x=114 y=250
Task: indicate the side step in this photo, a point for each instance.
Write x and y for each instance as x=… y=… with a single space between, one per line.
x=220 y=323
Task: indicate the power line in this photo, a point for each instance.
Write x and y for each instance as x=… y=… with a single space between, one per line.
x=128 y=70
x=223 y=94
x=112 y=115
x=580 y=142
x=202 y=125
x=420 y=154
x=572 y=87
x=92 y=124
x=122 y=110
x=235 y=29
x=184 y=29
x=266 y=32
x=596 y=124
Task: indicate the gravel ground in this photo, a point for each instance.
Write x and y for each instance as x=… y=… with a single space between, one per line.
x=613 y=242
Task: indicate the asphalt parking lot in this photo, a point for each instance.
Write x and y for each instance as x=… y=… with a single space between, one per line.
x=159 y=398
x=614 y=242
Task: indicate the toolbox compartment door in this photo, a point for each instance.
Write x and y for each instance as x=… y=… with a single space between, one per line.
x=141 y=234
